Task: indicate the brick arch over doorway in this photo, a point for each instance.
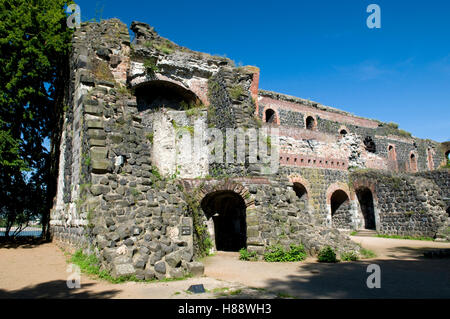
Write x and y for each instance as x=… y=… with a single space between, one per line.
x=301 y=187
x=340 y=206
x=224 y=203
x=210 y=186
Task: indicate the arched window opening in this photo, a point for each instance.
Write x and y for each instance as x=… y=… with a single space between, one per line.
x=413 y=163
x=310 y=123
x=300 y=191
x=271 y=116
x=343 y=132
x=391 y=153
x=157 y=94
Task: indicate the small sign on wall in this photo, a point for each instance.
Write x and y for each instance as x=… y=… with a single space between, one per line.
x=185 y=230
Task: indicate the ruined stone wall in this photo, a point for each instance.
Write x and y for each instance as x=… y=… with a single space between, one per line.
x=406 y=205
x=129 y=167
x=292 y=112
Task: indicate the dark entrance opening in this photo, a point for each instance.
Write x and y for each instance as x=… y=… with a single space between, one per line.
x=156 y=94
x=365 y=199
x=340 y=210
x=448 y=211
x=227 y=209
x=310 y=123
x=370 y=144
x=270 y=116
x=300 y=191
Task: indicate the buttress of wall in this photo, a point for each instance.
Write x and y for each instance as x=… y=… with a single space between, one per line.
x=100 y=60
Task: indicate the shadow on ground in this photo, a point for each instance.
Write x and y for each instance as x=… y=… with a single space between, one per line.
x=56 y=289
x=411 y=252
x=22 y=242
x=419 y=278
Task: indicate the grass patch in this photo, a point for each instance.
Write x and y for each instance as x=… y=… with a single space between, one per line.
x=367 y=253
x=353 y=233
x=279 y=254
x=236 y=91
x=235 y=292
x=285 y=295
x=244 y=254
x=167 y=47
x=349 y=256
x=150 y=66
x=405 y=237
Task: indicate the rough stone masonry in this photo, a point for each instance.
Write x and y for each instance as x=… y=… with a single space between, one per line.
x=128 y=193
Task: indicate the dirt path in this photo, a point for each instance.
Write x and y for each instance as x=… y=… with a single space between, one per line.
x=32 y=271
x=40 y=271
x=404 y=273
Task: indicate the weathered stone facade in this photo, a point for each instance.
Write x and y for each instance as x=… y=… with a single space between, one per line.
x=130 y=190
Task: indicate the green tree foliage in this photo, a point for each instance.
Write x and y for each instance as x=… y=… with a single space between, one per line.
x=34 y=49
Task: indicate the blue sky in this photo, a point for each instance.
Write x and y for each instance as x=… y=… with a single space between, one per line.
x=321 y=50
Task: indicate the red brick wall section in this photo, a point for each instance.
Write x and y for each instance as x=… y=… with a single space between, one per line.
x=255 y=86
x=313 y=161
x=301 y=133
x=272 y=103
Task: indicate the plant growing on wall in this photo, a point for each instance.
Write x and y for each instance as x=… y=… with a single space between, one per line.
x=150 y=66
x=202 y=242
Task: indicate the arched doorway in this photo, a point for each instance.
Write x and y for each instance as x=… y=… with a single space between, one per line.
x=341 y=216
x=271 y=116
x=365 y=199
x=227 y=210
x=310 y=123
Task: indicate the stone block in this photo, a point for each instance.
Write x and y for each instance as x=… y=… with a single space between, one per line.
x=93 y=109
x=98 y=153
x=95 y=124
x=97 y=142
x=96 y=133
x=99 y=189
x=195 y=268
x=100 y=166
x=174 y=259
x=123 y=270
x=176 y=273
x=160 y=267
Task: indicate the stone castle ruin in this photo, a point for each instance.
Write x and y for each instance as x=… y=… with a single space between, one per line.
x=129 y=192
